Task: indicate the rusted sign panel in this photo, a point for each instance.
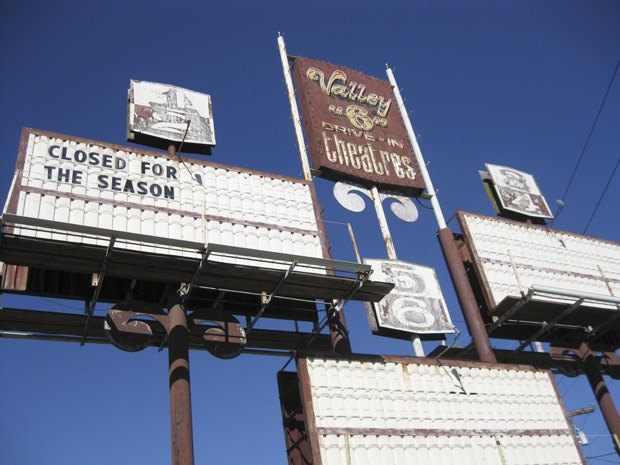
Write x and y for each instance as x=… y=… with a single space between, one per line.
x=518 y=192
x=415 y=305
x=159 y=114
x=354 y=128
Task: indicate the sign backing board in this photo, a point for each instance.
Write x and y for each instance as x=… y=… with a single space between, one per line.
x=518 y=192
x=509 y=258
x=354 y=129
x=415 y=305
x=387 y=409
x=158 y=114
x=96 y=184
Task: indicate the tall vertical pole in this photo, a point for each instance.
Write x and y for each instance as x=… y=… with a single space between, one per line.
x=180 y=396
x=182 y=440
x=337 y=323
x=299 y=135
x=456 y=268
x=592 y=370
x=385 y=230
x=418 y=350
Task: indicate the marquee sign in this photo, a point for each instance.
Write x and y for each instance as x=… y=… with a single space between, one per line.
x=415 y=305
x=518 y=192
x=354 y=129
x=159 y=114
x=96 y=184
x=404 y=410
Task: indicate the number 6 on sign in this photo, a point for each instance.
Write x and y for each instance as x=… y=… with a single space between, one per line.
x=415 y=305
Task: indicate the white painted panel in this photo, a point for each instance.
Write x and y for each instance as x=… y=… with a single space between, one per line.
x=514 y=257
x=414 y=413
x=119 y=189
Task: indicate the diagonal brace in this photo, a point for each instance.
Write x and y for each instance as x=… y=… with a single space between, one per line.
x=192 y=283
x=502 y=319
x=91 y=307
x=264 y=306
x=548 y=327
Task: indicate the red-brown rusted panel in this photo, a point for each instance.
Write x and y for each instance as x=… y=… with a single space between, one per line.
x=293 y=420
x=353 y=127
x=15 y=278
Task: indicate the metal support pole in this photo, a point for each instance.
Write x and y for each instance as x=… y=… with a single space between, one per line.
x=337 y=322
x=603 y=397
x=288 y=80
x=466 y=297
x=180 y=396
x=441 y=221
x=418 y=350
x=446 y=239
x=354 y=242
x=385 y=230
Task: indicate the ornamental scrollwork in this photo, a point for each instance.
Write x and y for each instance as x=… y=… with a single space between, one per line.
x=348 y=195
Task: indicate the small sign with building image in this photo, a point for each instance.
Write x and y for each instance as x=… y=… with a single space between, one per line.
x=159 y=114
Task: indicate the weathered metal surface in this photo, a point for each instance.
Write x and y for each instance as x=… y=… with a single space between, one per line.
x=293 y=419
x=559 y=360
x=466 y=296
x=14 y=278
x=290 y=92
x=354 y=131
x=52 y=326
x=518 y=192
x=74 y=180
x=601 y=393
x=411 y=410
x=415 y=305
x=241 y=274
x=508 y=259
x=160 y=113
x=66 y=285
x=179 y=378
x=430 y=190
x=348 y=196
x=223 y=335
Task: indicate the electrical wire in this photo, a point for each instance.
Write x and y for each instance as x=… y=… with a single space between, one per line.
x=181 y=159
x=422 y=205
x=613 y=76
x=602 y=455
x=600 y=199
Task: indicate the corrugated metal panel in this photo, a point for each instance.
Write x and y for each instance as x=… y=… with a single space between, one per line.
x=142 y=193
x=411 y=413
x=513 y=257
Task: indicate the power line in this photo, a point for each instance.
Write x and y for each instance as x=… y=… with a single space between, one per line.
x=613 y=76
x=600 y=199
x=599 y=457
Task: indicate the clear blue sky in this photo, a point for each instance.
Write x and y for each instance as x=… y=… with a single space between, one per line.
x=512 y=83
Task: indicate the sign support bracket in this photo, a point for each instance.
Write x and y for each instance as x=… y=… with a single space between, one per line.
x=270 y=298
x=102 y=272
x=457 y=270
x=548 y=327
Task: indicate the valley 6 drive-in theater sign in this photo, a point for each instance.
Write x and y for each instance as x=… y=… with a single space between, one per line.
x=354 y=129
